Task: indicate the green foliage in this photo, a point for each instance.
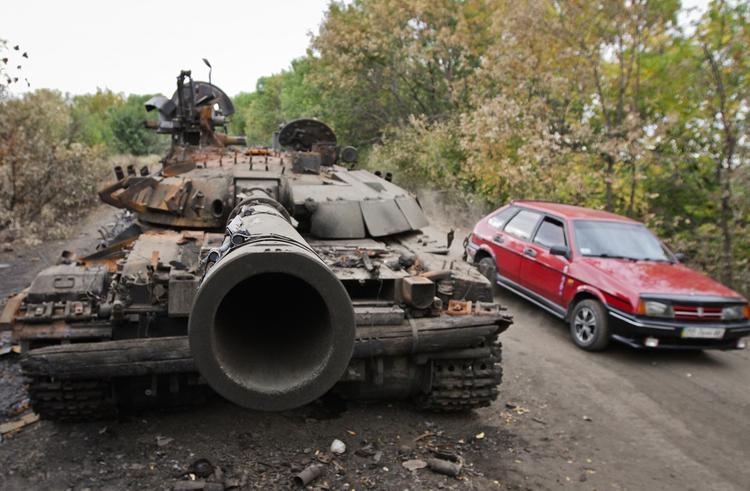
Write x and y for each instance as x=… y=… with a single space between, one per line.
x=129 y=134
x=278 y=98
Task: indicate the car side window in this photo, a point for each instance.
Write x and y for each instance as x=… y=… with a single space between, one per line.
x=551 y=233
x=522 y=225
x=499 y=219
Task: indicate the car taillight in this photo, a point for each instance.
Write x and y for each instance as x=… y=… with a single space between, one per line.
x=746 y=312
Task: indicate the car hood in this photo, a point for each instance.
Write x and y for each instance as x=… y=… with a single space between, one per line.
x=639 y=277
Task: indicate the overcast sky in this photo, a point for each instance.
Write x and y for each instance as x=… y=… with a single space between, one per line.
x=138 y=46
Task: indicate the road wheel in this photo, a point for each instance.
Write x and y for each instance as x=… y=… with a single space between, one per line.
x=488 y=268
x=588 y=325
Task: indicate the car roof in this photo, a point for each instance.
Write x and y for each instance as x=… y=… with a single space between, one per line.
x=571 y=212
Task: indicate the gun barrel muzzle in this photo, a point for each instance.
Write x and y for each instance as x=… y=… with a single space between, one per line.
x=271 y=328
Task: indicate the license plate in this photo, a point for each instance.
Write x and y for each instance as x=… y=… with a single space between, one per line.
x=703 y=332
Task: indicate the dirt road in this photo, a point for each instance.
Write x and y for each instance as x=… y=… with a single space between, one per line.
x=622 y=419
x=659 y=420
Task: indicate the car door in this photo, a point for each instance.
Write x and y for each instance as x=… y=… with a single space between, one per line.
x=510 y=243
x=542 y=272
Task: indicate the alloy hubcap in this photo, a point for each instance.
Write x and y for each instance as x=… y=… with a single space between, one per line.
x=584 y=325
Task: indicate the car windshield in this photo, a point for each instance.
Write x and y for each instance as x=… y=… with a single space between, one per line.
x=618 y=240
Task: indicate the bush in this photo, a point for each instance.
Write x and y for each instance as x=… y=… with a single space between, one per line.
x=46 y=181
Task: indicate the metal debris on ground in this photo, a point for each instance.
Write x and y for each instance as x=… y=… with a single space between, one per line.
x=189 y=485
x=308 y=475
x=445 y=467
x=414 y=464
x=13 y=426
x=163 y=440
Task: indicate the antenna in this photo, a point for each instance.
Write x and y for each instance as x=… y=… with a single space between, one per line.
x=209 y=69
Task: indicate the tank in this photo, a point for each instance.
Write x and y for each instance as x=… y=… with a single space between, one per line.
x=272 y=276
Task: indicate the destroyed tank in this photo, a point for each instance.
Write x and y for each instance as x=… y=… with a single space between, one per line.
x=271 y=276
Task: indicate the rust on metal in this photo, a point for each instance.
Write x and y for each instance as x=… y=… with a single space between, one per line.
x=459 y=307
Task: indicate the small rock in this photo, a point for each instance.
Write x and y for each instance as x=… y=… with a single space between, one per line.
x=7 y=248
x=338 y=447
x=587 y=418
x=378 y=455
x=479 y=436
x=414 y=464
x=366 y=451
x=583 y=477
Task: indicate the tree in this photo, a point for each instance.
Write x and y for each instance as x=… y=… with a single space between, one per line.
x=129 y=134
x=722 y=35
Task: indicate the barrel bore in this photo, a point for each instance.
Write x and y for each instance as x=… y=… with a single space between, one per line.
x=283 y=337
x=271 y=328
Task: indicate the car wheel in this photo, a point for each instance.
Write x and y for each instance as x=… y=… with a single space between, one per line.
x=588 y=325
x=488 y=268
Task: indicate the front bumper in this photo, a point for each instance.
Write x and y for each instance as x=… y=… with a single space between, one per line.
x=633 y=330
x=471 y=251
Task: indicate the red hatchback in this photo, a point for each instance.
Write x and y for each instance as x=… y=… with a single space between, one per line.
x=608 y=276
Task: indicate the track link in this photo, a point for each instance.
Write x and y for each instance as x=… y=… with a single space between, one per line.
x=464 y=384
x=72 y=400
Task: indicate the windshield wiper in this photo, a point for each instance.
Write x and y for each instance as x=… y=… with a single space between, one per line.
x=615 y=256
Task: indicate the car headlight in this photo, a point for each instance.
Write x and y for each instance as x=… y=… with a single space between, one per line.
x=652 y=308
x=735 y=312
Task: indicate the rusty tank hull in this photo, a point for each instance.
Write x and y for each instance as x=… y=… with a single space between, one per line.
x=271 y=276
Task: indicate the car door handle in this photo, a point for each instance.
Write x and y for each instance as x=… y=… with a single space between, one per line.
x=498 y=239
x=529 y=252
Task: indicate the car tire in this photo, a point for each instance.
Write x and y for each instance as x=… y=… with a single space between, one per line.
x=589 y=326
x=488 y=268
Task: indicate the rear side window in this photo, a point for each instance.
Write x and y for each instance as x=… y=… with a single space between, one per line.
x=499 y=219
x=522 y=225
x=550 y=233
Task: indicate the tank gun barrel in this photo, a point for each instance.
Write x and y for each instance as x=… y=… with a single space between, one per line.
x=271 y=328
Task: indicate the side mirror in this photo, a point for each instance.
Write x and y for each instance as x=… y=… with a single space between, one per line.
x=558 y=250
x=680 y=256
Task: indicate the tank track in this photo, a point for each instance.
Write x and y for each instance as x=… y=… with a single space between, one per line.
x=72 y=400
x=464 y=384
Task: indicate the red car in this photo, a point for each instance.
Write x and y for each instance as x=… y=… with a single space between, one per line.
x=608 y=276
